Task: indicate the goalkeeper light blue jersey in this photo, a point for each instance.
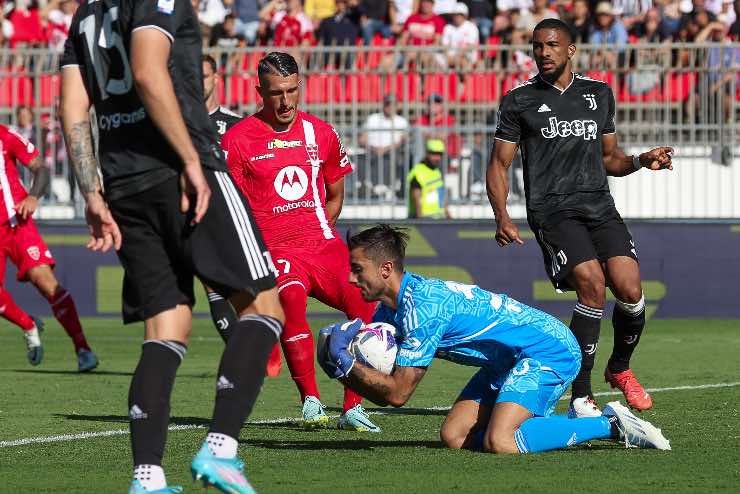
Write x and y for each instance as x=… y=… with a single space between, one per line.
x=471 y=326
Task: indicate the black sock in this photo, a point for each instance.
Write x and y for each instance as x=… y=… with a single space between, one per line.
x=149 y=398
x=242 y=371
x=628 y=327
x=223 y=315
x=585 y=325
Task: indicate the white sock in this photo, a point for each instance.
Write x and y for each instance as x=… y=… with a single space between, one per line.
x=221 y=445
x=151 y=477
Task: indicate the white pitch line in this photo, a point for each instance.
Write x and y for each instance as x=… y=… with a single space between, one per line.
x=289 y=420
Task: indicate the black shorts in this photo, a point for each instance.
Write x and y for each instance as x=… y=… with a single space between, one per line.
x=161 y=252
x=574 y=240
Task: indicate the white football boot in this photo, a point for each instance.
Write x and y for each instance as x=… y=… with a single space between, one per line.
x=636 y=433
x=583 y=407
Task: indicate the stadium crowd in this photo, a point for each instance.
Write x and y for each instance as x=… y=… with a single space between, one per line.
x=449 y=23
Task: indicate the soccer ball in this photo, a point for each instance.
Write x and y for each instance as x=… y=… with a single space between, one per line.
x=375 y=346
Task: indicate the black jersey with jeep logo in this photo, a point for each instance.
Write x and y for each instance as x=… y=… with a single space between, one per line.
x=133 y=153
x=223 y=119
x=560 y=133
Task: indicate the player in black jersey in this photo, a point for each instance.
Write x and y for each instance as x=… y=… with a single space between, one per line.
x=222 y=118
x=168 y=206
x=222 y=313
x=564 y=124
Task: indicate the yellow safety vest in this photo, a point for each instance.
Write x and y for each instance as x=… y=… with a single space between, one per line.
x=432 y=192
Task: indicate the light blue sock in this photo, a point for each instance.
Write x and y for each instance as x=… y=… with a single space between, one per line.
x=557 y=432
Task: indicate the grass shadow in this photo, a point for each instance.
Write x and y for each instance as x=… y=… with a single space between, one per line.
x=124 y=419
x=338 y=444
x=397 y=411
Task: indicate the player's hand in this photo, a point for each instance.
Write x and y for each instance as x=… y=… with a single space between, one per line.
x=193 y=184
x=338 y=363
x=658 y=158
x=507 y=232
x=339 y=341
x=104 y=230
x=27 y=207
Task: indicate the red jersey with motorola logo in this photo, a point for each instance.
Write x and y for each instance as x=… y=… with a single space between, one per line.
x=13 y=146
x=284 y=175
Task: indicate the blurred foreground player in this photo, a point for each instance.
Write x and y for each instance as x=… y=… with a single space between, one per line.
x=527 y=358
x=564 y=123
x=20 y=241
x=169 y=208
x=291 y=166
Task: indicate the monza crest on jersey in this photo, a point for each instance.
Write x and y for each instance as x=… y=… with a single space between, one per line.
x=34 y=252
x=313 y=152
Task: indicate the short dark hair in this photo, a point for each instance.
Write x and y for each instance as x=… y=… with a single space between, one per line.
x=556 y=24
x=210 y=61
x=382 y=243
x=276 y=62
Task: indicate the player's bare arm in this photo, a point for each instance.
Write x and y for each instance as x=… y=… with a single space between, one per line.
x=334 y=200
x=497 y=187
x=382 y=389
x=150 y=52
x=75 y=106
x=41 y=175
x=619 y=164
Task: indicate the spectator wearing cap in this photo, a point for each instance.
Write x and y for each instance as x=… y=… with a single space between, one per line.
x=422 y=29
x=340 y=29
x=460 y=40
x=481 y=13
x=436 y=123
x=608 y=32
x=427 y=195
x=385 y=134
x=376 y=16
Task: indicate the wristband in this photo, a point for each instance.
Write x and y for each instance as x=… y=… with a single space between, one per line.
x=636 y=162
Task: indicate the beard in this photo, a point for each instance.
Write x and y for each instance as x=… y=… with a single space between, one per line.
x=555 y=75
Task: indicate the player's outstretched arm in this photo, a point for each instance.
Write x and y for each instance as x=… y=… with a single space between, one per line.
x=497 y=187
x=150 y=52
x=75 y=106
x=41 y=176
x=382 y=389
x=619 y=164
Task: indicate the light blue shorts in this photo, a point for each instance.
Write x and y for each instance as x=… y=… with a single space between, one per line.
x=529 y=384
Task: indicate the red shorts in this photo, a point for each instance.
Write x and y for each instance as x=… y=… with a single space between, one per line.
x=25 y=248
x=322 y=269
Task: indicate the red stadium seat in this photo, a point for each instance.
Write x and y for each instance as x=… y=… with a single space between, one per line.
x=15 y=90
x=443 y=84
x=323 y=88
x=480 y=87
x=50 y=89
x=405 y=86
x=679 y=86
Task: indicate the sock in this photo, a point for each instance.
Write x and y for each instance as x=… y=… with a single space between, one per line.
x=221 y=445
x=10 y=311
x=557 y=432
x=66 y=313
x=351 y=400
x=628 y=321
x=275 y=361
x=242 y=371
x=297 y=341
x=585 y=325
x=149 y=398
x=151 y=477
x=222 y=314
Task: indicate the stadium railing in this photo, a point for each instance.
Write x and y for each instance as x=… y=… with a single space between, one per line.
x=683 y=95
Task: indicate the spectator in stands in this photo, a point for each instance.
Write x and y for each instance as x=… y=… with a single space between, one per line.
x=59 y=20
x=24 y=123
x=531 y=17
x=579 y=22
x=377 y=16
x=226 y=37
x=648 y=64
x=247 y=18
x=727 y=13
x=720 y=81
x=422 y=29
x=318 y=10
x=670 y=17
x=460 y=40
x=445 y=8
x=385 y=134
x=212 y=12
x=735 y=28
x=481 y=13
x=27 y=28
x=699 y=16
x=290 y=25
x=631 y=12
x=503 y=26
x=6 y=28
x=436 y=123
x=608 y=32
x=427 y=194
x=340 y=29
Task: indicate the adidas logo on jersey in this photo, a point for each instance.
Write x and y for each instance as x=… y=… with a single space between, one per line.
x=543 y=108
x=223 y=384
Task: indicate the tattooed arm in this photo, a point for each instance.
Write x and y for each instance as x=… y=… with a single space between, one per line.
x=41 y=176
x=381 y=389
x=75 y=108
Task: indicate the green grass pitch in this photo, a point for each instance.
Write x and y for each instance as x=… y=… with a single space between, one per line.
x=703 y=424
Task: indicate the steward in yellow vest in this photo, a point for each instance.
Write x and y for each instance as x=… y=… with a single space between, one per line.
x=427 y=198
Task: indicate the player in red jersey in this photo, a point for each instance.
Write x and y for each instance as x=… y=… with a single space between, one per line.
x=291 y=166
x=20 y=241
